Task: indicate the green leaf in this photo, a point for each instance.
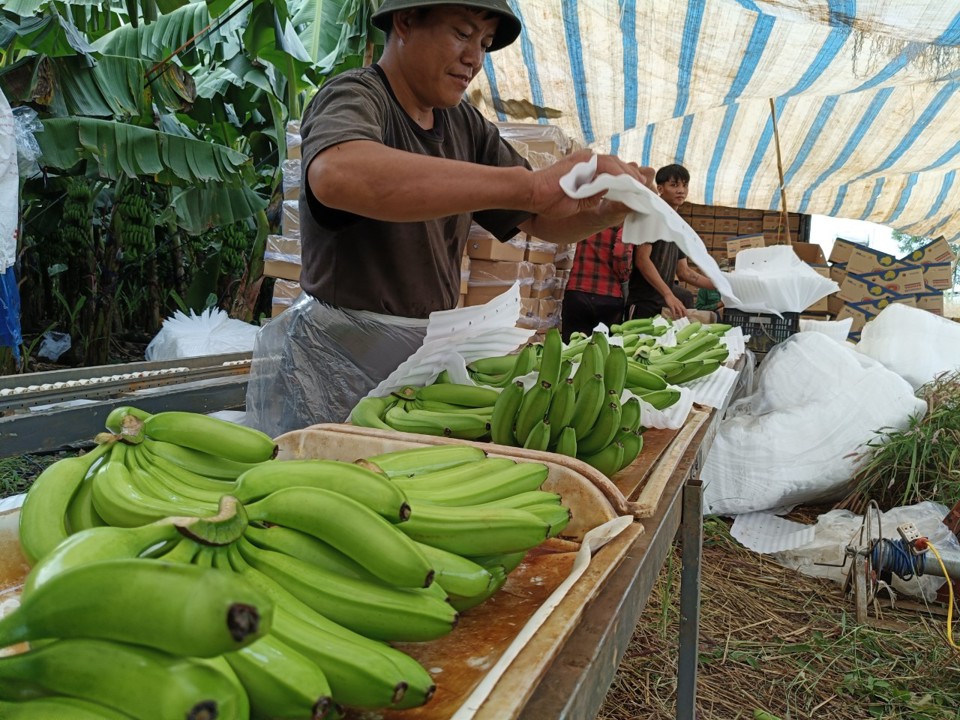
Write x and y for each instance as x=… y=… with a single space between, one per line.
x=202 y=207
x=119 y=149
x=158 y=40
x=51 y=35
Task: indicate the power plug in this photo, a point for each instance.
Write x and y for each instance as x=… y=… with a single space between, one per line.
x=909 y=532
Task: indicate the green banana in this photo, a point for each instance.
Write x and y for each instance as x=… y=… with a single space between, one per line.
x=182 y=609
x=504 y=416
x=281 y=683
x=147 y=476
x=376 y=610
x=615 y=370
x=539 y=436
x=637 y=325
x=591 y=363
x=473 y=530
x=98 y=544
x=308 y=549
x=340 y=521
x=632 y=445
x=693 y=370
x=551 y=359
x=687 y=332
x=455 y=477
x=630 y=415
x=508 y=562
x=462 y=604
x=212 y=435
x=183 y=480
x=409 y=463
x=200 y=463
x=639 y=376
x=694 y=346
x=567 y=442
x=556 y=516
x=560 y=414
x=80 y=512
x=604 y=430
x=424 y=422
x=118 y=501
x=496 y=365
x=43 y=514
x=472 y=396
x=525 y=499
x=139 y=681
x=363 y=673
x=590 y=401
x=603 y=342
x=516 y=478
x=456 y=574
x=661 y=399
x=608 y=461
x=369 y=412
x=59 y=708
x=374 y=490
x=718 y=328
x=115 y=420
x=526 y=361
x=490 y=380
x=434 y=406
x=533 y=408
x=574 y=349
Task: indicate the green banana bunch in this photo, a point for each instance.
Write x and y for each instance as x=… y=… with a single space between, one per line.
x=369 y=412
x=504 y=415
x=307 y=548
x=472 y=530
x=338 y=520
x=492 y=485
x=58 y=708
x=182 y=609
x=212 y=435
x=661 y=399
x=376 y=610
x=439 y=424
x=43 y=514
x=138 y=681
x=363 y=673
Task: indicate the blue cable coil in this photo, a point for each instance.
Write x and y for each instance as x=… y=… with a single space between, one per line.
x=895 y=556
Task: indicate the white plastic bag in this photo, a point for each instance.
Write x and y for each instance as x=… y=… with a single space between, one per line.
x=212 y=332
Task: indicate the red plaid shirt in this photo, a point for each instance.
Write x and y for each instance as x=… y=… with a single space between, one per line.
x=601 y=264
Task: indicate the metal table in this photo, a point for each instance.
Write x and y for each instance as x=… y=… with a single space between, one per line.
x=575 y=685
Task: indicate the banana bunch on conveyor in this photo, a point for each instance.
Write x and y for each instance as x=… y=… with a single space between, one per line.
x=267 y=589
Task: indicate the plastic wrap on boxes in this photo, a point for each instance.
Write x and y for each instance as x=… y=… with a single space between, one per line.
x=293 y=139
x=492 y=273
x=281 y=257
x=548 y=139
x=914 y=343
x=291 y=179
x=290 y=219
x=795 y=439
x=563 y=260
x=540 y=251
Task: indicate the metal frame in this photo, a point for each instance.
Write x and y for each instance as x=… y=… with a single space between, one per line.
x=576 y=684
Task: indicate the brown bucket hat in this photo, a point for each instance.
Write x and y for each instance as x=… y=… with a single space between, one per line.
x=508 y=29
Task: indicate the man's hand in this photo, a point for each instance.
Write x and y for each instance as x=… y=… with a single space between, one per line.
x=675 y=307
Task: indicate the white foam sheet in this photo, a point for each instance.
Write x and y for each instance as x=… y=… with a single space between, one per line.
x=835 y=329
x=767 y=533
x=455 y=338
x=652 y=218
x=773 y=279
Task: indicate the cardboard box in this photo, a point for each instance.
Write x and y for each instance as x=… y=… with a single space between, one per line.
x=281 y=257
x=860 y=317
x=865 y=260
x=931 y=302
x=936 y=251
x=834 y=305
x=838 y=273
x=497 y=272
x=290 y=218
x=820 y=306
x=856 y=288
x=539 y=251
x=725 y=225
x=938 y=276
x=906 y=280
x=481 y=245
x=702 y=223
x=748 y=214
x=290 y=170
x=742 y=242
x=285 y=290
x=840 y=253
x=547 y=139
x=810 y=253
x=720 y=211
x=277 y=308
x=749 y=227
x=563 y=260
x=544 y=281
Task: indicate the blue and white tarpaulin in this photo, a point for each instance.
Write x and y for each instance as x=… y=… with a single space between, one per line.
x=865 y=92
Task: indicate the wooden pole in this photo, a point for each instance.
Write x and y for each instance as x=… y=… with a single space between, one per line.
x=783 y=187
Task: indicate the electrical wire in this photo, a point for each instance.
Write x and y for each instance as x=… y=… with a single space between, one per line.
x=950 y=593
x=901 y=561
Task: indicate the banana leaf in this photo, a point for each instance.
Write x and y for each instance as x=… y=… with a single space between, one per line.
x=51 y=35
x=158 y=40
x=119 y=150
x=202 y=207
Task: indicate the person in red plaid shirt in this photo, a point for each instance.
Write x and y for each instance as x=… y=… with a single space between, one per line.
x=594 y=292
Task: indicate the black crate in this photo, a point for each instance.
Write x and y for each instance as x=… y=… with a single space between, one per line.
x=765 y=329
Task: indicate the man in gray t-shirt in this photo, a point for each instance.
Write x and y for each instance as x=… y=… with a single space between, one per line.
x=396 y=165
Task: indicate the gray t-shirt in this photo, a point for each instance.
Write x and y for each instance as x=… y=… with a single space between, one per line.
x=664 y=255
x=406 y=269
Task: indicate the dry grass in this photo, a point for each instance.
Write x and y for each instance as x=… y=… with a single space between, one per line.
x=776 y=641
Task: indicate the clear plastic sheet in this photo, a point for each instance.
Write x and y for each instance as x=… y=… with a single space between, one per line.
x=314 y=362
x=794 y=439
x=915 y=344
x=26 y=125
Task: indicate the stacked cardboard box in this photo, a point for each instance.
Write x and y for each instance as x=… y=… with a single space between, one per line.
x=870 y=280
x=281 y=257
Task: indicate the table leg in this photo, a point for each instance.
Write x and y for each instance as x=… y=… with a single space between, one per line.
x=691 y=534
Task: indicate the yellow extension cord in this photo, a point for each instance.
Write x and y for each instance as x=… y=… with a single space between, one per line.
x=950 y=592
